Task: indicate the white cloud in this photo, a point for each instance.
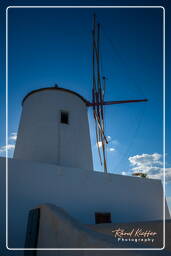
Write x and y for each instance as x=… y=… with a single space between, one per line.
x=159 y=175
x=99 y=143
x=112 y=149
x=145 y=160
x=124 y=173
x=109 y=138
x=150 y=164
x=111 y=146
x=11 y=145
x=13 y=136
x=6 y=147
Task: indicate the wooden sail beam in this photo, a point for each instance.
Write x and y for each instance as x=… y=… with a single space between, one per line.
x=89 y=104
x=100 y=128
x=98 y=94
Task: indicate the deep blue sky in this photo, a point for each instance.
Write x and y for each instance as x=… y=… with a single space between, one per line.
x=48 y=46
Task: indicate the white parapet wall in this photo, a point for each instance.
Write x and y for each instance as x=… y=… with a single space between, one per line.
x=57 y=229
x=80 y=193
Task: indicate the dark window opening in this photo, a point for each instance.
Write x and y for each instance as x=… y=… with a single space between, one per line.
x=102 y=217
x=64 y=117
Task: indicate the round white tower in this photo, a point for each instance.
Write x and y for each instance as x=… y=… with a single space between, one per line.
x=54 y=129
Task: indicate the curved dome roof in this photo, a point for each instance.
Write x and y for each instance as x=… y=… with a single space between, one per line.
x=55 y=88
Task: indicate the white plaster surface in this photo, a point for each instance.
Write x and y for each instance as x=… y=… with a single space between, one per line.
x=42 y=137
x=80 y=193
x=57 y=229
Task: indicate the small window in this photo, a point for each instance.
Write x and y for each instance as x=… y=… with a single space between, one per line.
x=102 y=217
x=64 y=117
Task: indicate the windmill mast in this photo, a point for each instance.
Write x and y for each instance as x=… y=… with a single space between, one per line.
x=98 y=96
x=98 y=93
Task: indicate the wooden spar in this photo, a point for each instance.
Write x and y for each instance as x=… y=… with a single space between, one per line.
x=101 y=130
x=95 y=86
x=100 y=116
x=89 y=104
x=98 y=93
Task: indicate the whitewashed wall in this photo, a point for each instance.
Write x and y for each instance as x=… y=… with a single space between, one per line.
x=80 y=193
x=41 y=137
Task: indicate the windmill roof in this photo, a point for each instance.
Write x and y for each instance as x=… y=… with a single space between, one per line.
x=54 y=89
